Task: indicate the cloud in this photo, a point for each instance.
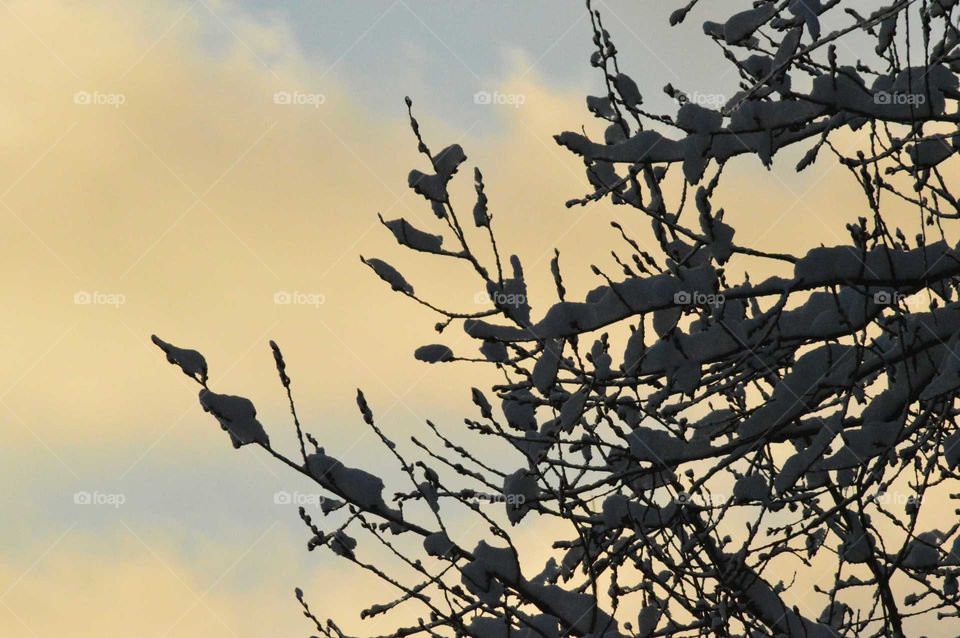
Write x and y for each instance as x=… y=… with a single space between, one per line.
x=156 y=183
x=164 y=583
x=166 y=172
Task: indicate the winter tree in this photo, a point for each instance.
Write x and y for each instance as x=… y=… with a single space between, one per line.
x=717 y=453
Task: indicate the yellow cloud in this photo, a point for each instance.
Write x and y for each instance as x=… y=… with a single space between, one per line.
x=155 y=184
x=158 y=583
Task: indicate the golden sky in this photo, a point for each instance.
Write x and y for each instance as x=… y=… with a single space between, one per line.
x=151 y=184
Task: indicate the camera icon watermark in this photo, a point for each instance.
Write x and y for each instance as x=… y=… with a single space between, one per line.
x=299 y=98
x=700 y=499
x=97 y=298
x=687 y=298
x=892 y=298
x=114 y=500
x=706 y=100
x=298 y=298
x=500 y=299
x=897 y=498
x=899 y=99
x=496 y=98
x=513 y=500
x=299 y=499
x=96 y=98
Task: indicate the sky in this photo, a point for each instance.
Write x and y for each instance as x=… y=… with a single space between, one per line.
x=189 y=168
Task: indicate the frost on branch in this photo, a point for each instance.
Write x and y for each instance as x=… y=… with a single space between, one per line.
x=236 y=415
x=190 y=361
x=697 y=451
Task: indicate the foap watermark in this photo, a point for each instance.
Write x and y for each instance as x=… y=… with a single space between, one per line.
x=513 y=500
x=697 y=298
x=299 y=98
x=106 y=499
x=897 y=498
x=701 y=499
x=899 y=99
x=516 y=100
x=97 y=298
x=96 y=98
x=500 y=299
x=896 y=298
x=887 y=298
x=706 y=100
x=298 y=298
x=299 y=499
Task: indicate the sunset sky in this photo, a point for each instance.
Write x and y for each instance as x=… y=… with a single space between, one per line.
x=151 y=183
